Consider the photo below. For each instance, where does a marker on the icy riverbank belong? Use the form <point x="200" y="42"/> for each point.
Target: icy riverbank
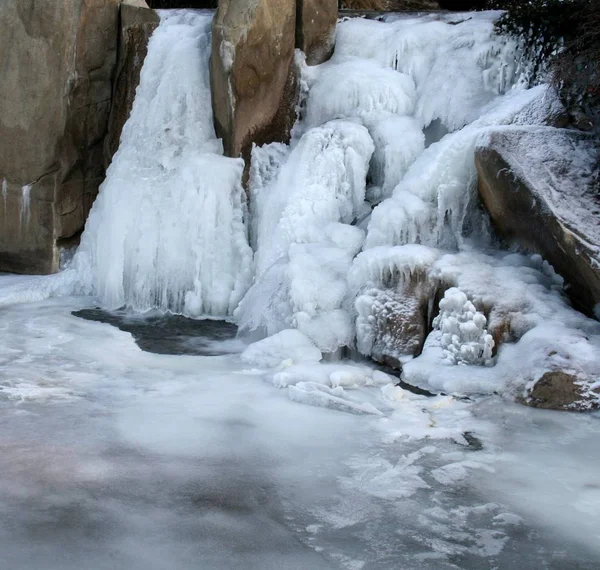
<point x="112" y="456"/>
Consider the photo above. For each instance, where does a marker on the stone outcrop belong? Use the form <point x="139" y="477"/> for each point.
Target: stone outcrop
<point x="398" y="323"/>
<point x="315" y="29"/>
<point x="136" y="24"/>
<point x="559" y="390"/>
<point x="253" y="74"/>
<point x="57" y="61"/>
<point x="253" y="84"/>
<point x="541" y="188"/>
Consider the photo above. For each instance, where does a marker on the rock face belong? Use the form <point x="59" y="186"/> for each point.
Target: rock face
<point x="253" y="75"/>
<point x="253" y="84"/>
<point x="315" y="29"/>
<point x="137" y="23"/>
<point x="56" y="62"/>
<point x="397" y="323"/>
<point x="561" y="391"/>
<point x="541" y="187"/>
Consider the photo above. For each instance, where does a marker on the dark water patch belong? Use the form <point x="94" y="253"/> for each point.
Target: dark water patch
<point x="172" y="334"/>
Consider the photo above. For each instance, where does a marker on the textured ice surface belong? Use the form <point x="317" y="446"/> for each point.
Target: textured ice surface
<point x="167" y="229"/>
<point x="464" y="336"/>
<point x="116" y="457"/>
<point x="305" y="243"/>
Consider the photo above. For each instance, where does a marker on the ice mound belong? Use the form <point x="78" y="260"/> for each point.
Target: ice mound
<point x="527" y="315"/>
<point x="167" y="229"/>
<point x="359" y="88"/>
<point x="464" y="338"/>
<point x="288" y="345"/>
<point x="305" y="244"/>
<point x="457" y="68"/>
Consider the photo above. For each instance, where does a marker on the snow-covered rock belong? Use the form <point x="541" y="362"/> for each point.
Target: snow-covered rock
<point x="541" y="187"/>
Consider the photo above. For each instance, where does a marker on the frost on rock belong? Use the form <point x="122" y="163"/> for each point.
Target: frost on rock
<point x="167" y="230"/>
<point x="288" y="345"/>
<point x="464" y="338"/>
<point x="535" y="330"/>
<point x="305" y="243"/>
<point x="392" y="295"/>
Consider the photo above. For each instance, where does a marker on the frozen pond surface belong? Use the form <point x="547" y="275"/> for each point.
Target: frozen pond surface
<point x="112" y="457"/>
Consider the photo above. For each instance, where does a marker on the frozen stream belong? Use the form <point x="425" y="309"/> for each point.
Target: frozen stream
<point x="113" y="457"/>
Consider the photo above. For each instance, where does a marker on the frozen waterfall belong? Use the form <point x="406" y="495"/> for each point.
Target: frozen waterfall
<point x="167" y="230"/>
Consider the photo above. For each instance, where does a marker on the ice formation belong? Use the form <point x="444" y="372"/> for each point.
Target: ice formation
<point x="305" y="243"/>
<point x="359" y="225"/>
<point x="464" y="337"/>
<point x="167" y="230"/>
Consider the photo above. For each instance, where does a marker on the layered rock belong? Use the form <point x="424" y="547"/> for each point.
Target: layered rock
<point x="56" y="61"/>
<point x="252" y="79"/>
<point x="541" y="188"/>
<point x="137" y="22"/>
<point x="315" y="29"/>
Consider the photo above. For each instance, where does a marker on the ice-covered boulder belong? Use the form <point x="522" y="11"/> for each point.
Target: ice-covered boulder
<point x="393" y="301"/>
<point x="137" y="22"/>
<point x="57" y="60"/>
<point x="252" y="79"/>
<point x="541" y="188"/>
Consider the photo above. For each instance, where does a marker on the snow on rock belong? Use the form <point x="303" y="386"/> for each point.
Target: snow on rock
<point x="537" y="332"/>
<point x="464" y="339"/>
<point x="287" y="345"/>
<point x="552" y="184"/>
<point x="392" y="295"/>
<point x="304" y="242"/>
<point x="167" y="230"/>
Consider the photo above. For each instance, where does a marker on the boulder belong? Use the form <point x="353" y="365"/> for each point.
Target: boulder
<point x="558" y="390"/>
<point x="397" y="325"/>
<point x="315" y="29"/>
<point x="136" y="25"/>
<point x="57" y="60"/>
<point x="254" y="86"/>
<point x="541" y="186"/>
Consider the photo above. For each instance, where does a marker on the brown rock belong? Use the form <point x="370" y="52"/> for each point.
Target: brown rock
<point x="56" y="62"/>
<point x="540" y="186"/>
<point x="137" y="23"/>
<point x="395" y="319"/>
<point x="315" y="29"/>
<point x="558" y="390"/>
<point x="254" y="89"/>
